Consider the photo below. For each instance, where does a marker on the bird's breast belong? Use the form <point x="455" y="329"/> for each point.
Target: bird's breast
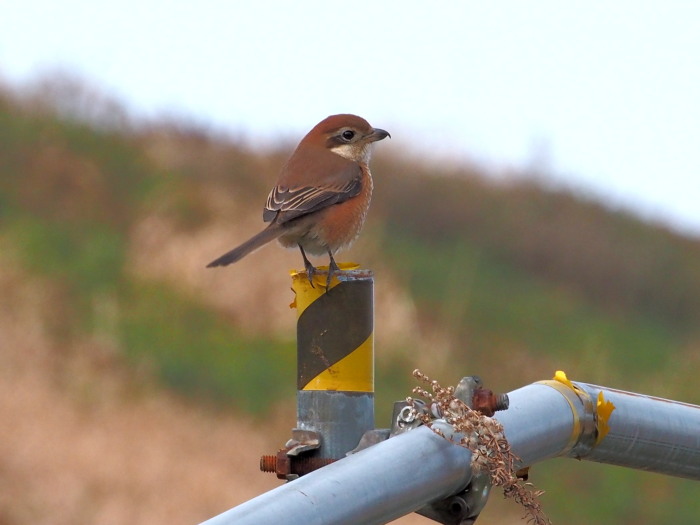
<point x="343" y="222"/>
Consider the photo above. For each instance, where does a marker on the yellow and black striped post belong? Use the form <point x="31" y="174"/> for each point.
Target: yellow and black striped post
<point x="335" y="358"/>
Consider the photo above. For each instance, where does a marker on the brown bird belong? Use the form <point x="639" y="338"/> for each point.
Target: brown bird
<point x="322" y="194"/>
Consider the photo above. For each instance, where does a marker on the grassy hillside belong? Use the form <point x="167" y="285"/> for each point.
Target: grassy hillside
<point x="508" y="280"/>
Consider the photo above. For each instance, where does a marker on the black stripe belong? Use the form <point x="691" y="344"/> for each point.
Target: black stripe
<point x="332" y="327"/>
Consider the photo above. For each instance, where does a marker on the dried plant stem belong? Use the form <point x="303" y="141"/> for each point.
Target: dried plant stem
<point x="484" y="437"/>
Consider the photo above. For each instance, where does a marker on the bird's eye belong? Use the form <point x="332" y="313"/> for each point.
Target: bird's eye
<point x="348" y="134"/>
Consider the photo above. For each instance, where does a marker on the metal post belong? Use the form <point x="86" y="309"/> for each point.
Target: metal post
<point x="335" y="360"/>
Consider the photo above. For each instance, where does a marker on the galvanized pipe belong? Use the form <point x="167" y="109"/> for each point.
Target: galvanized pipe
<point x="551" y="418"/>
<point x="649" y="433"/>
<point x="335" y="359"/>
<point x="376" y="485"/>
<point x="544" y="420"/>
<point x="539" y="422"/>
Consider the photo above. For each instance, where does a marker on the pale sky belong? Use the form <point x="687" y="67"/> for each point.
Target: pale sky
<point x="604" y="95"/>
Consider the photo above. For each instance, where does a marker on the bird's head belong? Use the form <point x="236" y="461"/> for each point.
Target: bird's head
<point x="346" y="135"/>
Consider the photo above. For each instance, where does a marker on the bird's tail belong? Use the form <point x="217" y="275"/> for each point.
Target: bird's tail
<point x="270" y="233"/>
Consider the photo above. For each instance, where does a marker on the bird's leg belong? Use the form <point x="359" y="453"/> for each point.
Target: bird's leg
<point x="310" y="270"/>
<point x="332" y="267"/>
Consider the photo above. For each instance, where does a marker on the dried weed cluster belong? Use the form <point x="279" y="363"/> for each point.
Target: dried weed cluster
<point x="484" y="437"/>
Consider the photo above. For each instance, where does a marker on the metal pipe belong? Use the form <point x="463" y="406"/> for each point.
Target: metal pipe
<point x="649" y="433"/>
<point x="373" y="486"/>
<point x="335" y="359"/>
<point x="555" y="418"/>
<point x="544" y="420"/>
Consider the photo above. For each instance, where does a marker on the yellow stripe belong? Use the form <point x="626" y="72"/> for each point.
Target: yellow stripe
<point x="353" y="373"/>
<point x="305" y="294"/>
<point x="567" y="390"/>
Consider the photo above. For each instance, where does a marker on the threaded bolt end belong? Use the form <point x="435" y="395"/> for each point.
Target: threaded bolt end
<point x="268" y="463"/>
<point x="502" y="402"/>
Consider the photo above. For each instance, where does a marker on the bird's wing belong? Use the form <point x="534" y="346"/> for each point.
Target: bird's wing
<point x="287" y="203"/>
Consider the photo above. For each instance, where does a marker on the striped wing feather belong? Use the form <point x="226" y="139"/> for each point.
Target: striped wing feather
<point x="285" y="204"/>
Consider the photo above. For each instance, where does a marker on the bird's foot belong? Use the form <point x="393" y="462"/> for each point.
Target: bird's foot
<point x="310" y="272"/>
<point x="332" y="268"/>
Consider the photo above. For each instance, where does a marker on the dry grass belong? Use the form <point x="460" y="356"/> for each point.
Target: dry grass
<point x="484" y="437"/>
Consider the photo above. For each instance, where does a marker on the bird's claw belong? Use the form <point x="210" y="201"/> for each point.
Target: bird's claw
<point x="332" y="268"/>
<point x="310" y="272"/>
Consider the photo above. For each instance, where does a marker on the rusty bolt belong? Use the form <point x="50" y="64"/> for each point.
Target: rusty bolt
<point x="486" y="402"/>
<point x="283" y="465"/>
<point x="268" y="463"/>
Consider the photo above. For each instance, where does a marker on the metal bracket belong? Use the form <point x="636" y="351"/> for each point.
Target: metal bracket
<point x="293" y="460"/>
<point x="302" y="441"/>
<point x="404" y="417"/>
<point x="464" y="507"/>
<point x="369" y="438"/>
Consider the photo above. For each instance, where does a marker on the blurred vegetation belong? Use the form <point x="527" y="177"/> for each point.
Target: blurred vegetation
<point x="70" y="194"/>
<point x="512" y="272"/>
<point x="201" y="355"/>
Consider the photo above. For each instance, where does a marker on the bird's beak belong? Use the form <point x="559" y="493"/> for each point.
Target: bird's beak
<point x="377" y="134"/>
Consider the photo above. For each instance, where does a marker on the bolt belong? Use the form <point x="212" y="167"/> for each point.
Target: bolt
<point x="303" y="466"/>
<point x="407" y="415"/>
<point x="457" y="507"/>
<point x="268" y="463"/>
<point x="502" y="402"/>
<point x="284" y="465"/>
<point x="486" y="402"/>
